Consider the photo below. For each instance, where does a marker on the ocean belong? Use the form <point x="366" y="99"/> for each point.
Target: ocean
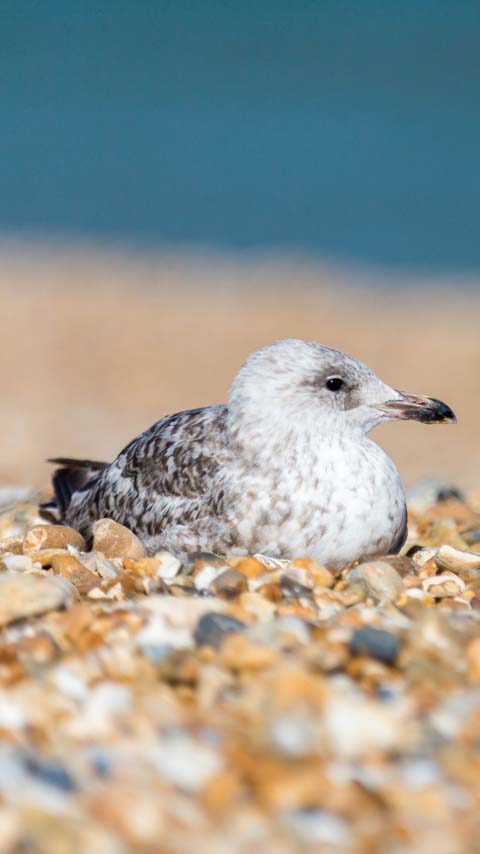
<point x="347" y="131"/>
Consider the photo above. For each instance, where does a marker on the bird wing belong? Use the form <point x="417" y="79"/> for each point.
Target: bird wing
<point x="178" y="456"/>
<point x="160" y="477"/>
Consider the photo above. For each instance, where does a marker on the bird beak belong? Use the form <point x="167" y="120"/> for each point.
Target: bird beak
<point x="417" y="407"/>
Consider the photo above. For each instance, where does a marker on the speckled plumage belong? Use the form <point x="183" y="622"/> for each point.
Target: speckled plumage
<point x="285" y="468"/>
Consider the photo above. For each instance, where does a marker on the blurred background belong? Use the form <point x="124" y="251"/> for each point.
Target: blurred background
<point x="182" y="182"/>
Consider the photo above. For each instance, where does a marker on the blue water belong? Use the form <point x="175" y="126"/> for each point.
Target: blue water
<point x="350" y="130"/>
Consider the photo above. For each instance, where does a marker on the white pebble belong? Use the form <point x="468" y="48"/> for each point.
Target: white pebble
<point x="169" y="565"/>
<point x="185" y="762"/>
<point x="206" y="575"/>
<point x="455" y="559"/>
<point x="422" y="557"/>
<point x="18" y="563"/>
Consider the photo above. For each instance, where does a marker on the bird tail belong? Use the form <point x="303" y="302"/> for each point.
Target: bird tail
<point x="71" y="476"/>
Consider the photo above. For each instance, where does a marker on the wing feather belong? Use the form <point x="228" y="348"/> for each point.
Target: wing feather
<point x="160" y="477"/>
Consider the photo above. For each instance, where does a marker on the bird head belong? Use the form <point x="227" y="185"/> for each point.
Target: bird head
<point x="294" y="379"/>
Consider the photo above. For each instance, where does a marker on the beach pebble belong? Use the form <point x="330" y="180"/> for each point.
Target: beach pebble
<point x="319" y="574"/>
<point x="13" y="545"/>
<point x="427" y="491"/>
<point x="354" y="593"/>
<point x="175" y="666"/>
<point x="186" y="762"/>
<point x="146" y="567"/>
<point x="319" y="830"/>
<point x="473" y="659"/>
<point x="27" y="594"/>
<point x="52" y="537"/>
<point x="240" y="654"/>
<point x="465" y="564"/>
<point x="444" y="532"/>
<point x="376" y="643"/>
<point x="357" y="726"/>
<point x="168" y="565"/>
<point x="256" y="605"/>
<point x="114" y="540"/>
<point x="229" y="584"/>
<point x="423" y="556"/>
<point x="281" y="708"/>
<point x="104" y="567"/>
<point x="380" y="580"/>
<point x="248" y="566"/>
<point x="295" y="732"/>
<point x="69" y="567"/>
<point x="443" y="585"/>
<point x="157" y="637"/>
<point x="401" y="563"/>
<point x="48" y="772"/>
<point x="212" y="629"/>
<point x="205" y="576"/>
<point x="17" y="563"/>
<point x="200" y="559"/>
<point x="292" y="586"/>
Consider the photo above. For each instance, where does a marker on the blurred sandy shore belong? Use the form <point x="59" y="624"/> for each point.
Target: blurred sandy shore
<point x="95" y="346"/>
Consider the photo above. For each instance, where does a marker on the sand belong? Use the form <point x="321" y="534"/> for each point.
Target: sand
<point x="97" y="344"/>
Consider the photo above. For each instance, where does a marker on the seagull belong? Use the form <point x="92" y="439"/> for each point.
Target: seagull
<point x="286" y="468"/>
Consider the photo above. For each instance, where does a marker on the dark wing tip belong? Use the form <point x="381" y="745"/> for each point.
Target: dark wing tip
<point x="70" y="477"/>
<point x="69" y="462"/>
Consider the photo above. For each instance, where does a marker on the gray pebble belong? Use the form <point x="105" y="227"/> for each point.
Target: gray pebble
<point x="212" y="629"/>
<point x="229" y="584"/>
<point x="377" y="643"/>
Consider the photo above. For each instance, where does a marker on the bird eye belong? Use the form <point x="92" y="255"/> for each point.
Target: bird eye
<point x="334" y="383"/>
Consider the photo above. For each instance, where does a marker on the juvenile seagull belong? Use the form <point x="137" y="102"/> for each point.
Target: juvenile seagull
<point x="284" y="468"/>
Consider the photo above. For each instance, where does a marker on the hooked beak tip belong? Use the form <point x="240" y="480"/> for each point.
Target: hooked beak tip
<point x="418" y="407"/>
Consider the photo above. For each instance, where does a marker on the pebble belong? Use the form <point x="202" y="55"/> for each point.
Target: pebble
<point x="185" y="762"/>
<point x="380" y="580"/>
<point x="26" y="595"/>
<point x="17" y="563"/>
<point x="353" y="594"/>
<point x="320" y="575"/>
<point x="52" y="537"/>
<point x="168" y="566"/>
<point x="357" y="726"/>
<point x="51" y="773"/>
<point x="12" y="545"/>
<point x="324" y="830"/>
<point x="466" y="564"/>
<point x="428" y="491"/>
<point x="292" y="587"/>
<point x="158" y="637"/>
<point x="177" y="666"/>
<point x="473" y="659"/>
<point x="146" y="567"/>
<point x="295" y="733"/>
<point x="212" y="629"/>
<point x="445" y="532"/>
<point x="240" y="653"/>
<point x="277" y="707"/>
<point x="443" y="585"/>
<point x="229" y="584"/>
<point x="256" y="605"/>
<point x="105" y="568"/>
<point x="248" y="566"/>
<point x="114" y="540"/>
<point x="423" y="556"/>
<point x="69" y="567"/>
<point x="377" y="643"/>
<point x="204" y="578"/>
<point x="286" y="632"/>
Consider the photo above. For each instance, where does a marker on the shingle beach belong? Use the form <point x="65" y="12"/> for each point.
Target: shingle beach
<point x="221" y="706"/>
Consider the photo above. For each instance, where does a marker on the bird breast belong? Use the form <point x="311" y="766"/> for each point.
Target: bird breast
<point x="339" y="500"/>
